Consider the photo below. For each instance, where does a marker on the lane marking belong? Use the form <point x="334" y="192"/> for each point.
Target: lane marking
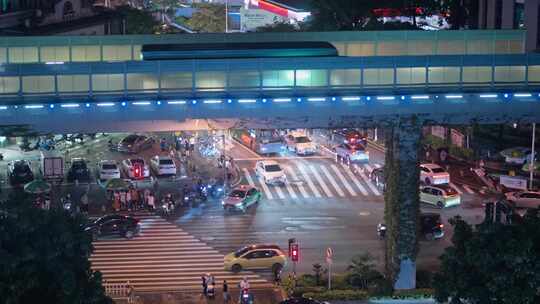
<point x="265" y="189"/>
<point x="372" y="187"/>
<point x="455" y="188"/>
<point x="355" y="180"/>
<point x="469" y="190"/>
<point x="248" y="177"/>
<point x="321" y="182"/>
<point x="308" y="180"/>
<point x="279" y="191"/>
<point x="343" y="180"/>
<point x="284" y="158"/>
<point x="332" y="181"/>
<point x="295" y="177"/>
<point x="378" y="166"/>
<point x="368" y="167"/>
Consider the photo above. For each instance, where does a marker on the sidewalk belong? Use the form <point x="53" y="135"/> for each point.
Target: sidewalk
<point x="261" y="296"/>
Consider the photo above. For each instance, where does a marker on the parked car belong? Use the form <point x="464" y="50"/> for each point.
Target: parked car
<point x="108" y="169"/>
<point x="300" y="143"/>
<point x="113" y="225"/>
<point x="19" y="172"/>
<point x="517" y="155"/>
<point x="377" y="178"/>
<point x="78" y="170"/>
<point x="433" y="174"/>
<point x="270" y="171"/>
<point x="131" y="165"/>
<point x="163" y="165"/>
<point x="256" y="257"/>
<point x="431" y="226"/>
<point x="241" y="198"/>
<point x="352" y="153"/>
<point x="524" y="199"/>
<point x="441" y="196"/>
<point x="135" y="143"/>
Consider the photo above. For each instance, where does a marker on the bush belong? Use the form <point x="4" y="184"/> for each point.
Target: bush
<point x="382" y="288"/>
<point x="424" y="279"/>
<point x="464" y="153"/>
<point x="434" y="141"/>
<point x="420" y="293"/>
<point x="343" y="295"/>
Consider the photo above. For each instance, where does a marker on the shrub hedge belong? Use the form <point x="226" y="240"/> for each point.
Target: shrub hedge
<point x="337" y="295"/>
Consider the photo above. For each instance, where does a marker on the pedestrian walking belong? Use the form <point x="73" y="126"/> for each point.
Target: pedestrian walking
<point x="129" y="200"/>
<point x="204" y="284"/>
<point x="123" y="200"/>
<point x="84" y="203"/>
<point x="151" y="201"/>
<point x="226" y="296"/>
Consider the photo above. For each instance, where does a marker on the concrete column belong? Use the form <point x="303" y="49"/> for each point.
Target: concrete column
<point x="491" y="6"/>
<point x="531" y="24"/>
<point x="402" y="201"/>
<point x="508" y="12"/>
<point x="482" y="11"/>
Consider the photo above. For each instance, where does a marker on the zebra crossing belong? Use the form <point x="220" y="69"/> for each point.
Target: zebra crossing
<point x="163" y="257"/>
<point x="324" y="179"/>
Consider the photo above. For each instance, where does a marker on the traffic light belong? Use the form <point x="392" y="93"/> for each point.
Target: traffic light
<point x="295" y="252"/>
<point x="137" y="171"/>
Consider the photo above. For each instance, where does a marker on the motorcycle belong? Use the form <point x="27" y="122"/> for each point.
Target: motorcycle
<point x="1" y="156"/>
<point x="381" y="230"/>
<point x="215" y="189"/>
<point x="246" y="297"/>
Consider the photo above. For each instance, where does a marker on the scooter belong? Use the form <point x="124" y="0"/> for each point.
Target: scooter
<point x="381" y="230"/>
<point x="246" y="297"/>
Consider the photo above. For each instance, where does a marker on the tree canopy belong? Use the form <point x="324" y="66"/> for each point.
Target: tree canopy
<point x="208" y="18"/>
<point x="44" y="257"/>
<point x="280" y="26"/>
<point x="492" y="263"/>
<point x="139" y="22"/>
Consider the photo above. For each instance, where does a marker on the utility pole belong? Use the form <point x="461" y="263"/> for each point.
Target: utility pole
<point x="226" y="16"/>
<point x="532" y="164"/>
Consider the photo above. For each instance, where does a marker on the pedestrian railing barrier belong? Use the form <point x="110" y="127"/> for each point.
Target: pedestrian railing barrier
<point x="120" y="291"/>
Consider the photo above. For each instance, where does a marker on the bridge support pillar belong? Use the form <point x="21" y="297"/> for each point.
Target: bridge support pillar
<point x="402" y="201"/>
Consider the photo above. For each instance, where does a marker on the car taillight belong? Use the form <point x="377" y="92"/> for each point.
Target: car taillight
<point x="441" y="226"/>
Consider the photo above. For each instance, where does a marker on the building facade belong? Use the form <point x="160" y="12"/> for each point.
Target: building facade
<point x="512" y="14"/>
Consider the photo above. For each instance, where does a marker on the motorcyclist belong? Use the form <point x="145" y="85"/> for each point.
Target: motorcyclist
<point x="244" y="290"/>
<point x="381" y="230"/>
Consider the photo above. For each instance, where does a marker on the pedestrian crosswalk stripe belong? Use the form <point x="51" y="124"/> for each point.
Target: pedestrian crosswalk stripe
<point x="378" y="166"/>
<point x="469" y="190"/>
<point x="332" y="181"/>
<point x="294" y="177"/>
<point x="321" y="182"/>
<point x="367" y="181"/>
<point x="355" y="180"/>
<point x="368" y="167"/>
<point x="343" y="180"/>
<point x="248" y="177"/>
<point x="456" y="188"/>
<point x="279" y="191"/>
<point x="308" y="180"/>
<point x="290" y="189"/>
<point x="266" y="191"/>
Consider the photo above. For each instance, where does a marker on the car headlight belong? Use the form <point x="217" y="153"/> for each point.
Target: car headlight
<point x="223" y="203"/>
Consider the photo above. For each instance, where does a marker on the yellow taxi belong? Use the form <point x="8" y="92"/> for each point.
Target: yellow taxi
<point x="256" y="257"/>
<point x="440" y="195"/>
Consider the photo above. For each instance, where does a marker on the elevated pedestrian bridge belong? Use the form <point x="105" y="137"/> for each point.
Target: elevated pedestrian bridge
<point x="48" y="85"/>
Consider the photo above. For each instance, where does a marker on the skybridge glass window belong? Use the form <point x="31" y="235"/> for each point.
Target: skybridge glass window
<point x="3" y="55"/>
<point x="73" y="83"/>
<point x="345" y="77"/>
<point x="278" y="78"/>
<point x="420" y="47"/>
<point x="81" y="53"/>
<point x="387" y="48"/>
<point x="116" y="52"/>
<point x="141" y="82"/>
<point x="341" y="48"/>
<point x="534" y="73"/>
<point x="9" y="85"/>
<point x="244" y="79"/>
<point x="443" y="75"/>
<point x="479" y="47"/>
<point x="137" y="52"/>
<point x="378" y="77"/>
<point x="54" y="54"/>
<point x="182" y="80"/>
<point x="410" y="76"/>
<point x="450" y="47"/>
<point x="477" y="74"/>
<point x="23" y="54"/>
<point x="360" y="49"/>
<point x="210" y="80"/>
<point x="107" y="82"/>
<point x="311" y="78"/>
<point x="509" y="74"/>
<point x="38" y="84"/>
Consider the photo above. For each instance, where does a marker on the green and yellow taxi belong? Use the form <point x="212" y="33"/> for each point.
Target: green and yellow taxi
<point x="241" y="197"/>
<point x="261" y="256"/>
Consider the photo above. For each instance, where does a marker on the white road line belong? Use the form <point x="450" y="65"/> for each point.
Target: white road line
<point x="279" y="191"/>
<point x="355" y="180"/>
<point x="469" y="190"/>
<point x="308" y="180"/>
<point x="368" y="167"/>
<point x="367" y="181"/>
<point x="343" y="180"/>
<point x="295" y="177"/>
<point x="456" y="188"/>
<point x="332" y="181"/>
<point x="266" y="191"/>
<point x="290" y="189"/>
<point x="321" y="182"/>
<point x="378" y="166"/>
<point x="248" y="177"/>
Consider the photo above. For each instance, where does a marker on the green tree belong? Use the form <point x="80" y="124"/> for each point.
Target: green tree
<point x="44" y="257"/>
<point x="362" y="272"/>
<point x="341" y="15"/>
<point x="460" y="13"/>
<point x="139" y="22"/>
<point x="280" y="27"/>
<point x="208" y="18"/>
<point x="492" y="263"/>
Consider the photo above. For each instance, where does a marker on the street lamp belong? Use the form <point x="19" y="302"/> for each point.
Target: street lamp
<point x="226" y="16"/>
<point x="532" y="164"/>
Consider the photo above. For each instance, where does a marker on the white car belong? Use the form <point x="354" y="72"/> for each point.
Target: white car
<point x="163" y="165"/>
<point x="517" y="155"/>
<point x="270" y="172"/>
<point x="131" y="165"/>
<point x="433" y="174"/>
<point x="108" y="169"/>
<point x="300" y="144"/>
<point x="524" y="199"/>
